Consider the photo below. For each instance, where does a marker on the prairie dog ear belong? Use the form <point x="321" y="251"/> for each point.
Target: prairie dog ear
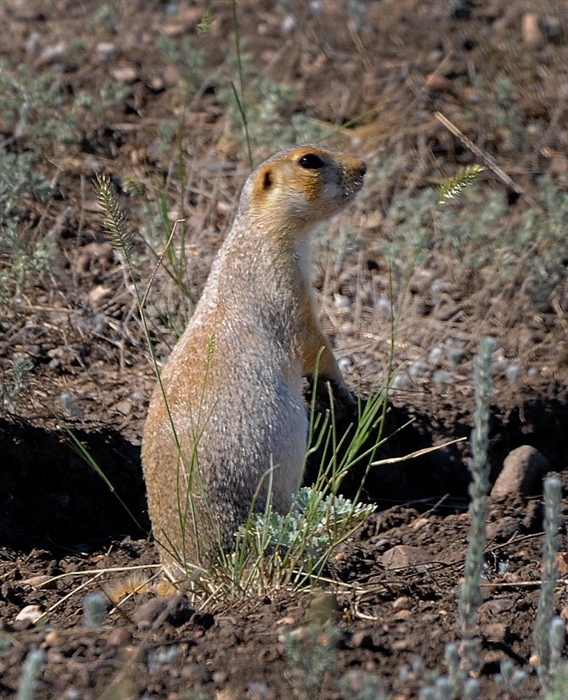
<point x="265" y="178"/>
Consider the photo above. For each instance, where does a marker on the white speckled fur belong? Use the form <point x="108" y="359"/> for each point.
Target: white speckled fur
<point x="240" y="409"/>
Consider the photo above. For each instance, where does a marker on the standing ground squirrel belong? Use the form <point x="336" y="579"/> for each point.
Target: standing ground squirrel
<point x="229" y="406"/>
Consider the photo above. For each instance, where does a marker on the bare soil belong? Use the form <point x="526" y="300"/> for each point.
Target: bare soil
<point x="64" y="533"/>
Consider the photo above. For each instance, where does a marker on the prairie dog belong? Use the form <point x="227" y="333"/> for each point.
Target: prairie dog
<point x="233" y="383"/>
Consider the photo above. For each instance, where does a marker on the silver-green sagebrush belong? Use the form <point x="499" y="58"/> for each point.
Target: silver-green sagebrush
<point x="470" y="596"/>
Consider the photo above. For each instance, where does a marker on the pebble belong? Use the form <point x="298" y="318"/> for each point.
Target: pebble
<point x="29" y="615"/>
<point x="420" y="523"/>
<point x="124" y="74"/>
<point x="219" y="677"/>
<point x="522" y="474"/>
<point x="52" y="638"/>
<point x="195" y="674"/>
<point x="404" y="555"/>
<point x="99" y="293"/>
<point x="503" y="529"/>
<point x="402" y="615"/>
<point x="532" y="36"/>
<point x="149" y="612"/>
<point x="119" y="637"/>
<point x="496" y="632"/>
<point x="39" y="581"/>
<point x="104" y="50"/>
<point x="494" y="607"/>
<point x="322" y="607"/>
<point x="170" y="76"/>
<point x="182" y="22"/>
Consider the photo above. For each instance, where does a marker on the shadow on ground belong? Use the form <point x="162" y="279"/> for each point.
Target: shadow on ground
<point x="51" y="498"/>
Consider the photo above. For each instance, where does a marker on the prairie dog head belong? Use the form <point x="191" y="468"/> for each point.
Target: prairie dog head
<point x="297" y="188"/>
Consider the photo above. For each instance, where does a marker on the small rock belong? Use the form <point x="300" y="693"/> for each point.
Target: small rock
<point x="401" y="603"/>
<point x="406" y="644"/>
<point x="99" y="293"/>
<point x="341" y="301"/>
<point x="99" y="251"/>
<point x="52" y="54"/>
<point x="503" y="529"/>
<point x="52" y="638"/>
<point x="420" y="523"/>
<point x="182" y="22"/>
<point x="170" y="76"/>
<point x="28" y="616"/>
<point x="33" y="45"/>
<point x="119" y="637"/>
<point x="39" y="581"/>
<point x="494" y="607"/>
<point x="219" y="677"/>
<point x="260" y="691"/>
<point x="522" y="474"/>
<point x="322" y="608"/>
<point x="124" y="74"/>
<point x="402" y="615"/>
<point x="496" y="632"/>
<point x="83" y="262"/>
<point x="194" y="673"/>
<point x="54" y="656"/>
<point x="125" y="407"/>
<point x="104" y="50"/>
<point x="178" y="606"/>
<point x="558" y="164"/>
<point x="404" y="555"/>
<point x="532" y="36"/>
<point x="288" y="24"/>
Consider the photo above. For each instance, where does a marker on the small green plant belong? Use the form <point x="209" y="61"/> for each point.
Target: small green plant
<point x="94" y="610"/>
<point x="30" y="671"/>
<point x="310" y="654"/>
<point x="330" y="515"/>
<point x="38" y="109"/>
<point x="357" y="685"/>
<point x="547" y="655"/>
<point x="470" y="597"/>
<point x="20" y="256"/>
<point x="14" y="386"/>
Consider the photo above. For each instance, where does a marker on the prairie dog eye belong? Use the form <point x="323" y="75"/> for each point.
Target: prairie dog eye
<point x="311" y="162"/>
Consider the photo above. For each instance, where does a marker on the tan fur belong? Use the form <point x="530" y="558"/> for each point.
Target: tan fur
<point x="233" y="381"/>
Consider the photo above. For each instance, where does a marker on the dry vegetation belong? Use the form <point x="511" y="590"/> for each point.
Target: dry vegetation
<point x="154" y="95"/>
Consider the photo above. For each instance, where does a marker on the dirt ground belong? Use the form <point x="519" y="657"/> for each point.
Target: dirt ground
<point x="377" y="73"/>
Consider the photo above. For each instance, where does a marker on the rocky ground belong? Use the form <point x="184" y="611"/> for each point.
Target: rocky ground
<point x="142" y="92"/>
